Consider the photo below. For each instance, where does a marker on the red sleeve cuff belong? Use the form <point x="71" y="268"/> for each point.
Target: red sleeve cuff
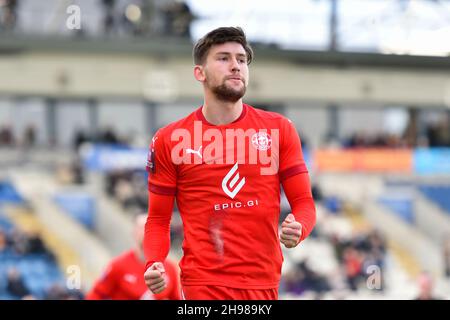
<point x="165" y="191"/>
<point x="292" y="171"/>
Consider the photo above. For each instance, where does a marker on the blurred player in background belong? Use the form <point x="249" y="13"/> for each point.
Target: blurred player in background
<point x="229" y="202"/>
<point x="426" y="287"/>
<point x="123" y="278"/>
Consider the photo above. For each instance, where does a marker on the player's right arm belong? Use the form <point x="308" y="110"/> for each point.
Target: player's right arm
<point x="162" y="188"/>
<point x="157" y="240"/>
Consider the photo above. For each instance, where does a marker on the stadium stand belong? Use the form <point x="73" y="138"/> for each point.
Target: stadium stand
<point x="79" y="108"/>
<point x="438" y="194"/>
<point x="28" y="269"/>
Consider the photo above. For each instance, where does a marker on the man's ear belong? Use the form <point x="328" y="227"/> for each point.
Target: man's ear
<point x="199" y="73"/>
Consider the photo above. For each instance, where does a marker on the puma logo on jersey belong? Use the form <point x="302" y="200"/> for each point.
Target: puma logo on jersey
<point x="193" y="151"/>
<point x="229" y="188"/>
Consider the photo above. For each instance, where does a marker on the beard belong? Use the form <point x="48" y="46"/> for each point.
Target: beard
<point x="228" y="94"/>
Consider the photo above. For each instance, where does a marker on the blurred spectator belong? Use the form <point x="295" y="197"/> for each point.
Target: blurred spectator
<point x="24" y="243"/>
<point x="37" y="246"/>
<point x="177" y="19"/>
<point x="111" y="179"/>
<point x="29" y="138"/>
<point x="109" y="25"/>
<point x="304" y="140"/>
<point x="131" y="20"/>
<point x="3" y="240"/>
<point x="293" y="282"/>
<point x="356" y="254"/>
<point x="59" y="292"/>
<point x="6" y="136"/>
<point x="353" y="267"/>
<point x="74" y="295"/>
<point x="129" y="188"/>
<point x="446" y="257"/>
<point x="303" y="279"/>
<point x="426" y="287"/>
<point x="72" y="173"/>
<point x="19" y="241"/>
<point x="80" y="137"/>
<point x="381" y="140"/>
<point x="377" y="241"/>
<point x="316" y="192"/>
<point x="78" y="171"/>
<point x="8" y="17"/>
<point x="15" y="284"/>
<point x="55" y="292"/>
<point x="109" y="136"/>
<point x="124" y="192"/>
<point x="438" y="133"/>
<point x="339" y="246"/>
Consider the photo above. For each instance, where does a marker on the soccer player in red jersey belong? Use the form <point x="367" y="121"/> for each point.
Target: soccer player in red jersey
<point x="123" y="278"/>
<point x="224" y="164"/>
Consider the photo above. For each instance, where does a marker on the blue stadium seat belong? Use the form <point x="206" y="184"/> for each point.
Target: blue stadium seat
<point x="438" y="194"/>
<point x="5" y="224"/>
<point x="80" y="206"/>
<point x="5" y="296"/>
<point x="402" y="207"/>
<point x="8" y="194"/>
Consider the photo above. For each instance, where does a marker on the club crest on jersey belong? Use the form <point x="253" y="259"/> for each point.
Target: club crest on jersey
<point x="261" y="141"/>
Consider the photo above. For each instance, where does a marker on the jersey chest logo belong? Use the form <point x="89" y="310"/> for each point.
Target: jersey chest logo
<point x="229" y="187"/>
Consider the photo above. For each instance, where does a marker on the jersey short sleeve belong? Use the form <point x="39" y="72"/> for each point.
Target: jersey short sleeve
<point x="291" y="154"/>
<point x="162" y="174"/>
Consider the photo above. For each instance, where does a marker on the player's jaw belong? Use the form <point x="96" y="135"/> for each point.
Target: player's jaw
<point x="231" y="89"/>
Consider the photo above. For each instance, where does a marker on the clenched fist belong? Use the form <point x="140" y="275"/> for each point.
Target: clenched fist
<point x="291" y="231"/>
<point x="155" y="278"/>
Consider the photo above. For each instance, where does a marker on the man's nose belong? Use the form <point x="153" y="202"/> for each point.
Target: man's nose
<point x="235" y="65"/>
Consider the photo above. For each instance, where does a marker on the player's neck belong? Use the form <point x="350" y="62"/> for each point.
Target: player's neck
<point x="220" y="112"/>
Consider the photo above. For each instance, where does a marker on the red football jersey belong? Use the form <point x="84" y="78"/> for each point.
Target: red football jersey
<point x="124" y="280"/>
<point x="226" y="179"/>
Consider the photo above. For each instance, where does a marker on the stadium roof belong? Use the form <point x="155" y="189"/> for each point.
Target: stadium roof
<point x="183" y="47"/>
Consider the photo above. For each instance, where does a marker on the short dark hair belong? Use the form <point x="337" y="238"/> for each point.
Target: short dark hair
<point x="220" y="36"/>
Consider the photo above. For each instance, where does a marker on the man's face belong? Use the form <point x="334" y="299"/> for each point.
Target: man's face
<point x="226" y="71"/>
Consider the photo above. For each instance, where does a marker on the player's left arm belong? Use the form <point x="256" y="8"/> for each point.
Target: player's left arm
<point x="294" y="177"/>
<point x="298" y="224"/>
